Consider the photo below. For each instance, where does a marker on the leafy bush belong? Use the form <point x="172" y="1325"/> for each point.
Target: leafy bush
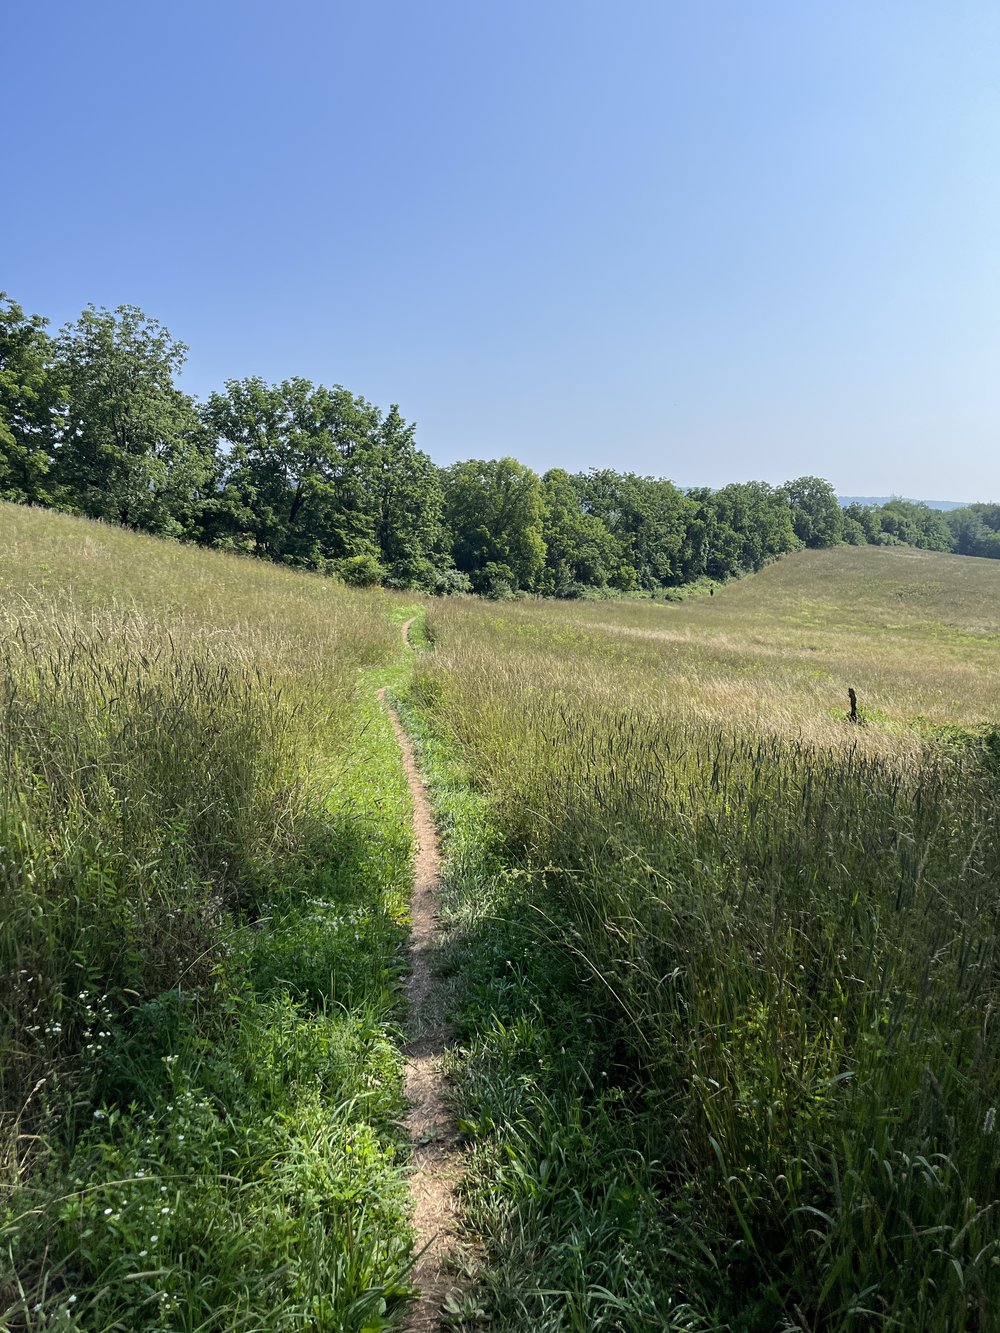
<point x="360" y="571"/>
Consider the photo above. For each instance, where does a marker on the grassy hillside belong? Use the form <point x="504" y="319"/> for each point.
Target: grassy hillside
<point x="204" y="875"/>
<point x="914" y="632"/>
<point x="726" y="964"/>
<point x="723" y="966"/>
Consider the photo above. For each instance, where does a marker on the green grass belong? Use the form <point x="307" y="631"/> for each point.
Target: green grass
<point x="914" y="632"/>
<point x="724" y="964"/>
<point x="569" y="1225"/>
<point x="206" y="852"/>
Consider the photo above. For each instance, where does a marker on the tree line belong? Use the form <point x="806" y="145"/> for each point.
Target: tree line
<point x="92" y="422"/>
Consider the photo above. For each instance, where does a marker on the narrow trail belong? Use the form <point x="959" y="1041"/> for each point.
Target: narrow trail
<point x="437" y="1158"/>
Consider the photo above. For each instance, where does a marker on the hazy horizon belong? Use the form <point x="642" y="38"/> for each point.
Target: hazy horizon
<point x="706" y="242"/>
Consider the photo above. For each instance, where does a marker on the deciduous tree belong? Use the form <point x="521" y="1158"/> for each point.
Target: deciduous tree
<point x="131" y="448"/>
<point x="494" y="511"/>
<point x="817" y="518"/>
<point x="29" y="398"/>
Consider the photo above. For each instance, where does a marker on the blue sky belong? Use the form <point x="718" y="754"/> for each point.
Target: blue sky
<point x="710" y="239"/>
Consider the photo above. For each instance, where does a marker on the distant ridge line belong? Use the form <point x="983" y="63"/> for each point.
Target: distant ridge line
<point x="845" y="500"/>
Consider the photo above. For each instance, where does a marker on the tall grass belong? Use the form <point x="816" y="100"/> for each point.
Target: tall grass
<point x="203" y="869"/>
<point x="758" y="955"/>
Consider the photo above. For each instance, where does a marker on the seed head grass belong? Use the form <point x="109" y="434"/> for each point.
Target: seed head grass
<point x="204" y="855"/>
<point x="729" y="961"/>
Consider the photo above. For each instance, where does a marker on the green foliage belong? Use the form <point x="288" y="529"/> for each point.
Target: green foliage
<point x="748" y="524"/>
<point x="646" y="519"/>
<point x="408" y="489"/>
<point x="817" y="518"/>
<point x="29" y="398"/>
<point x="865" y="520"/>
<point x="580" y="552"/>
<point x="319" y="478"/>
<point x="494" y="511"/>
<point x="360" y="571"/>
<point x="975" y="530"/>
<point x="131" y="447"/>
<point x="915" y="524"/>
<point x="204" y="870"/>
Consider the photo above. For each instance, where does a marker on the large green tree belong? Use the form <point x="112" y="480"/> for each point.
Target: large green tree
<point x="494" y="511"/>
<point x="288" y="450"/>
<point x="409" y="501"/>
<point x="915" y="524"/>
<point x="817" y="518"/>
<point x="579" y="550"/>
<point x="864" y="522"/>
<point x="317" y="476"/>
<point x="29" y="400"/>
<point x="749" y="523"/>
<point x="646" y="516"/>
<point x="132" y="448"/>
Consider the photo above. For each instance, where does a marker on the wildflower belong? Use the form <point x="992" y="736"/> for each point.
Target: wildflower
<point x="153" y="1240"/>
<point x="107" y="1212"/>
<point x="100" y="1115"/>
<point x="180" y="1138"/>
<point x="164" y="1212"/>
<point x="72" y="1300"/>
<point x="143" y="1253"/>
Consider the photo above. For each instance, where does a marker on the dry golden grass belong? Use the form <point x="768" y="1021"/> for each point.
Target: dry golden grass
<point x="286" y="624"/>
<point x="736" y="999"/>
<point x="917" y="634"/>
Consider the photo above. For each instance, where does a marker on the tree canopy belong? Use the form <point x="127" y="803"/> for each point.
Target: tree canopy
<point x="131" y="447"/>
<point x="494" y="512"/>
<point x="94" y="422"/>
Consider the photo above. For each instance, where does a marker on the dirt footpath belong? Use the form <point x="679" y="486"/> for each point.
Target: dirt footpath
<point x="437" y="1158"/>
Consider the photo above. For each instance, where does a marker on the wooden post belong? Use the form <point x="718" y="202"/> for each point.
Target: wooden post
<point x="853" y="714"/>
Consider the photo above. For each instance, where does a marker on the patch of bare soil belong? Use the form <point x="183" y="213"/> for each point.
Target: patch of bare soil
<point x="437" y="1157"/>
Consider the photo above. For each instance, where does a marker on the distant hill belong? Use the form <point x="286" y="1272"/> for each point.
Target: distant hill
<point x="884" y="499"/>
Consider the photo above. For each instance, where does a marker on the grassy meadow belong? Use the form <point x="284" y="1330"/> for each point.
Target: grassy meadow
<point x="204" y="862"/>
<point x="725" y="966"/>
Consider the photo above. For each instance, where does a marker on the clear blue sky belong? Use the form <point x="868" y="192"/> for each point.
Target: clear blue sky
<point x="707" y="240"/>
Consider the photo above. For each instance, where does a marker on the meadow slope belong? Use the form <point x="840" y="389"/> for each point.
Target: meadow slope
<point x="205" y="875"/>
<point x="724" y="964"/>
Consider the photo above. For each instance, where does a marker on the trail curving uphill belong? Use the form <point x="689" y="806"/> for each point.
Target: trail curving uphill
<point x="437" y="1159"/>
